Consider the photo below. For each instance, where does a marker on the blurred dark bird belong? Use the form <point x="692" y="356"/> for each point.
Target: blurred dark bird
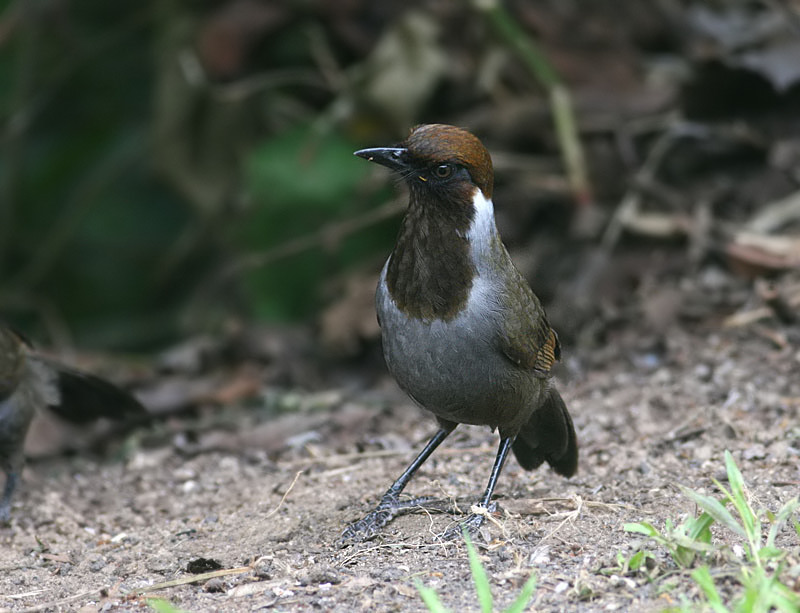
<point x="29" y="382"/>
<point x="462" y="331"/>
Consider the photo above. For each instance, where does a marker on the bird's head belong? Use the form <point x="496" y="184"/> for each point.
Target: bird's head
<point x="437" y="158"/>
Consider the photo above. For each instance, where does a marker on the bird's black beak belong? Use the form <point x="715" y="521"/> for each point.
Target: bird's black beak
<point x="391" y="157"/>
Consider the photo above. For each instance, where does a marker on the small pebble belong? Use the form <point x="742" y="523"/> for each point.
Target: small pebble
<point x="214" y="585"/>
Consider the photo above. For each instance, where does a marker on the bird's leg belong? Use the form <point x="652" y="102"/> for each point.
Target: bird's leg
<point x="391" y="505"/>
<point x="474" y="521"/>
<point x="8" y="492"/>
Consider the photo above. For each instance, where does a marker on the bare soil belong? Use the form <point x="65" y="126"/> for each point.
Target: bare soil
<point x="101" y="535"/>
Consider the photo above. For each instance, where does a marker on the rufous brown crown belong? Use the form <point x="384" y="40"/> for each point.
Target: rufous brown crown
<point x="438" y="143"/>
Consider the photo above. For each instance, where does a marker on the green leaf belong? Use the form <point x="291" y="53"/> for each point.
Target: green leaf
<point x="304" y="184"/>
<point x="636" y="560"/>
<point x="699" y="528"/>
<point x="683" y="557"/>
<point x="163" y="606"/>
<point x="642" y="528"/>
<point x="430" y="598"/>
<point x="518" y="606"/>
<point x="302" y="169"/>
<point x="767" y="553"/>
<point x="482" y="586"/>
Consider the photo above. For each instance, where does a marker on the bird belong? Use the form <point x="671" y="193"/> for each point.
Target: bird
<point x="31" y="382"/>
<point x="463" y="334"/>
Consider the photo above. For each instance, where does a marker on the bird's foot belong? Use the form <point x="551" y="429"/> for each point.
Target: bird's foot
<point x="5" y="513"/>
<point x="368" y="526"/>
<point x="471" y="524"/>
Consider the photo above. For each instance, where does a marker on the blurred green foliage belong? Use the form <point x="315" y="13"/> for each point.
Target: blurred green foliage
<point x="301" y="180"/>
<point x="84" y="221"/>
<point x="122" y="181"/>
<point x="167" y="166"/>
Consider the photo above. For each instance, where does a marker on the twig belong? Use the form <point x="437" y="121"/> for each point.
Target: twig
<point x="628" y="209"/>
<point x="329" y="234"/>
<point x="143" y="591"/>
<point x="630" y="203"/>
<point x="285" y="494"/>
<point x="359" y="551"/>
<point x="520" y="506"/>
<point x="744" y="318"/>
<point x="775" y="300"/>
<point x="773" y="336"/>
<point x="571" y="516"/>
<point x="776" y="214"/>
<point x="57" y="603"/>
<point x="23" y="594"/>
<point x="483" y="511"/>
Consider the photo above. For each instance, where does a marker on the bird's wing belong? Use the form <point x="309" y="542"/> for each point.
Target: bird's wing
<point x="83" y="397"/>
<point x="528" y="340"/>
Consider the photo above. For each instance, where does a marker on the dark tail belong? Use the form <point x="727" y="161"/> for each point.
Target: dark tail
<point x="548" y="435"/>
<point x="84" y="397"/>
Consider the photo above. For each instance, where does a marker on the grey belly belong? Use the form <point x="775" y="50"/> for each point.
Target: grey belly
<point x="455" y="369"/>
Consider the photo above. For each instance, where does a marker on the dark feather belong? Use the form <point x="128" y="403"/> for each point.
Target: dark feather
<point x="85" y="397"/>
<point x="548" y="436"/>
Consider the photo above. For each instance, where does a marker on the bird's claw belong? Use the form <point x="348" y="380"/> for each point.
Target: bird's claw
<point x="471" y="524"/>
<point x="368" y="526"/>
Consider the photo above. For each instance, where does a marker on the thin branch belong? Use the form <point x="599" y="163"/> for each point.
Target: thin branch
<point x="285" y="494"/>
<point x="328" y="234"/>
<point x="560" y="99"/>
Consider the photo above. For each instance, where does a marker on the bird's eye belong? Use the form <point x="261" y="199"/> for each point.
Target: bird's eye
<point x="443" y="171"/>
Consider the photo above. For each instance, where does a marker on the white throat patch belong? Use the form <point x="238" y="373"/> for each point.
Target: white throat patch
<point x="482" y="227"/>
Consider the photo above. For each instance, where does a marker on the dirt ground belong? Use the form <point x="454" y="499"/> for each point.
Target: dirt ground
<point x="102" y="534"/>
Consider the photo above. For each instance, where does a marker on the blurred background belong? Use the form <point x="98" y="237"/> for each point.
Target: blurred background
<point x="170" y="169"/>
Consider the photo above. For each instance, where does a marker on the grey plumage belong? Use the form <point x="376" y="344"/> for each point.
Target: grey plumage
<point x="463" y="333"/>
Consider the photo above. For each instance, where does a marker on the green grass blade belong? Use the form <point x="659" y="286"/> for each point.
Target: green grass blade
<point x="780" y="519"/>
<point x="482" y="586"/>
<point x="785" y="599"/>
<point x="750" y="521"/>
<point x="642" y="528"/>
<point x="430" y="598"/>
<point x="716" y="510"/>
<point x="702" y="577"/>
<point x="518" y="606"/>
